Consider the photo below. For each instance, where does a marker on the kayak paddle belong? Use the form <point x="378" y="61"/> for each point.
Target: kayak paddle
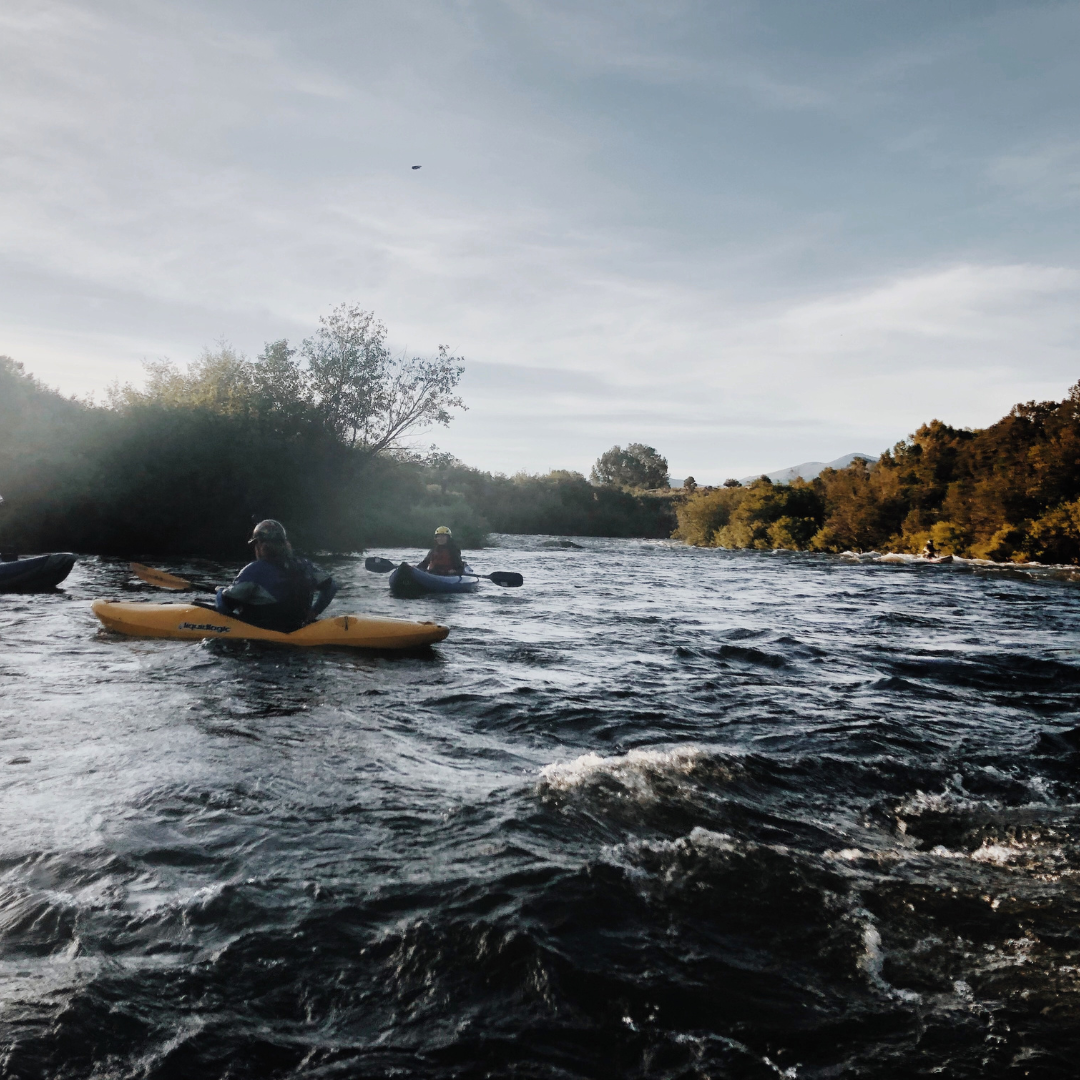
<point x="164" y="580"/>
<point x="505" y="578"/>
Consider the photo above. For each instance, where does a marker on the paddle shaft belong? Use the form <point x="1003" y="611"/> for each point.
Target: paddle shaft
<point x="162" y="580"/>
<point x="509" y="580"/>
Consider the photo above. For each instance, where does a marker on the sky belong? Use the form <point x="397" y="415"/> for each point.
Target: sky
<point x="749" y="234"/>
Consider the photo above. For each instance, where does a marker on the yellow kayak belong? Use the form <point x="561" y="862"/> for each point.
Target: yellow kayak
<point x="192" y="623"/>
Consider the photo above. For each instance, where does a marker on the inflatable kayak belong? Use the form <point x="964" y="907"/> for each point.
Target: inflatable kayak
<point x="35" y="575"/>
<point x="191" y="622"/>
<point x="409" y="580"/>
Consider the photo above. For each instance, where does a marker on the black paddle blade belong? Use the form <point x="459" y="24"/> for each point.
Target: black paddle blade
<point x="506" y="579"/>
<point x="377" y="565"/>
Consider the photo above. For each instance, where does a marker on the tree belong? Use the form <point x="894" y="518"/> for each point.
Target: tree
<point x="347" y="365"/>
<point x="350" y="386"/>
<point x="638" y="466"/>
<point x="416" y="395"/>
<point x="219" y="381"/>
<point x="370" y="400"/>
<point x="282" y="396"/>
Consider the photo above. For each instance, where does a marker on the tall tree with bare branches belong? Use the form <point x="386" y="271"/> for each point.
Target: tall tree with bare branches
<point x="368" y="398"/>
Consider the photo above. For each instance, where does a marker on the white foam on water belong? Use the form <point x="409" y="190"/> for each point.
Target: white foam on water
<point x="997" y="854"/>
<point x="700" y="842"/>
<point x="846" y="854"/>
<point x="943" y="802"/>
<point x="637" y="770"/>
<point x="1040" y="859"/>
<point x="706" y="839"/>
<point x="871" y="961"/>
<point x="1033" y="569"/>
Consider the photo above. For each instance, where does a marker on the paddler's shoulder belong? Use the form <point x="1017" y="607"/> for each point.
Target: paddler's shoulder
<point x="260" y="570"/>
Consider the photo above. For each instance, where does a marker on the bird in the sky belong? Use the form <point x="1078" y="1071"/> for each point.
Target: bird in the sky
<point x="417" y="167"/>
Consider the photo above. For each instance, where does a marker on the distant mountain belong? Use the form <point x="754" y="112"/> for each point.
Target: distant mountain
<point x="808" y="469"/>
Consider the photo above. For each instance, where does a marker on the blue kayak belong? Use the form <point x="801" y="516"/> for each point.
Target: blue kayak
<point x="411" y="581"/>
<point x="35" y="575"/>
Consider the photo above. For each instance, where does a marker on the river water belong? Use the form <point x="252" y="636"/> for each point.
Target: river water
<point x="661" y="812"/>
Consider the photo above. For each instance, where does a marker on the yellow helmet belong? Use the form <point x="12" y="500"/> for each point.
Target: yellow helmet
<point x="442" y="530"/>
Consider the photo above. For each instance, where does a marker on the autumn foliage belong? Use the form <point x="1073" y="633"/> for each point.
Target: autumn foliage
<point x="1009" y="492"/>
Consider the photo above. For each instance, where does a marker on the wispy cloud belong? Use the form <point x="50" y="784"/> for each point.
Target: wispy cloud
<point x="929" y="313"/>
<point x="1047" y="175"/>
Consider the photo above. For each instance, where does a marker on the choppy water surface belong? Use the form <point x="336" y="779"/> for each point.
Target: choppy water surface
<point x="662" y="812"/>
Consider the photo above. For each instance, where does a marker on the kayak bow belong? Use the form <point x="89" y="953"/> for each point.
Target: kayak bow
<point x="35" y="575"/>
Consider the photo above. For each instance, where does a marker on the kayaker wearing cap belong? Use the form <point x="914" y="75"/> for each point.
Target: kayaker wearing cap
<point x="445" y="557"/>
<point x="278" y="591"/>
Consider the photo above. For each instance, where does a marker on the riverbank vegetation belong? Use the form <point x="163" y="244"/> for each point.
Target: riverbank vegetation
<point x="1009" y="492"/>
<point x="637" y="468"/>
<point x="318" y="437"/>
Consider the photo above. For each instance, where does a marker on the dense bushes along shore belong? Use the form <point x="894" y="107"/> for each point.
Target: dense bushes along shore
<point x="1007" y="492"/>
<point x="183" y="467"/>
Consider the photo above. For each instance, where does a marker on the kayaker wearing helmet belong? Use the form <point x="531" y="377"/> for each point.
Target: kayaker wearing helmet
<point x="445" y="557"/>
<point x="278" y="591"/>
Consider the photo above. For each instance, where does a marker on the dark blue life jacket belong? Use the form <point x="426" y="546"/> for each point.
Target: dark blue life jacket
<point x="277" y="596"/>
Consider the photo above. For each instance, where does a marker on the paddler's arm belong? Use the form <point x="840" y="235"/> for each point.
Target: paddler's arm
<point x="325" y="590"/>
<point x="245" y="589"/>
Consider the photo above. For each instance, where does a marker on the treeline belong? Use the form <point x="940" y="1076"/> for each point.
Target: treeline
<point x="184" y="465"/>
<point x="1009" y="492"/>
<point x="405" y="498"/>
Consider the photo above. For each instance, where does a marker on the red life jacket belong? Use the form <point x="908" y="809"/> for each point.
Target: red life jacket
<point x="442" y="559"/>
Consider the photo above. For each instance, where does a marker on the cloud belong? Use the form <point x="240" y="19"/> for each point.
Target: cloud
<point x="655" y="43"/>
<point x="961" y="342"/>
<point x="1048" y="175"/>
<point x="933" y="311"/>
<point x="728" y="230"/>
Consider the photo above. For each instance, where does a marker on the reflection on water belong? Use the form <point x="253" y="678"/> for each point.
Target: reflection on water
<point x="661" y="812"/>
